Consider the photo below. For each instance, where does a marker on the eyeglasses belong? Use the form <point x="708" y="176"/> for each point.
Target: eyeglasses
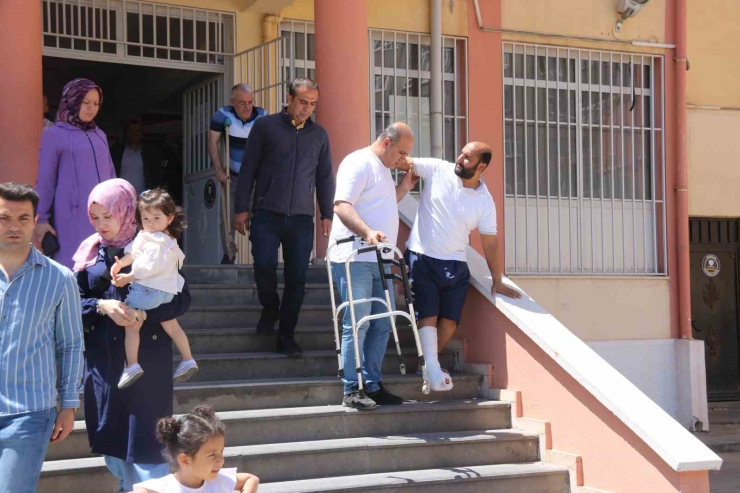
<point x="243" y="104"/>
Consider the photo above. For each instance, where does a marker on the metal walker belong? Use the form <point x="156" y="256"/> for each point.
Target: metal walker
<point x="403" y="278"/>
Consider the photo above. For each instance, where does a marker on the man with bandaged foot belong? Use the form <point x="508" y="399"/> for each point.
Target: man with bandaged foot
<point x="454" y="201"/>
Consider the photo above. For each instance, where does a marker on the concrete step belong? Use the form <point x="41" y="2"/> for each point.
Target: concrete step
<point x="252" y="365"/>
<point x="238" y="395"/>
<point x="242" y="274"/>
<point x="331" y="458"/>
<point x="724" y="413"/>
<point x="301" y="392"/>
<point x="330" y="422"/>
<point x="225" y="316"/>
<point x="219" y="341"/>
<point x="536" y="477"/>
<point x="721" y="438"/>
<point x="241" y="294"/>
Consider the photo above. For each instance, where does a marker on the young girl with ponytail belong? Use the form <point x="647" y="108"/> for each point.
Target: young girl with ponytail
<point x="194" y="448"/>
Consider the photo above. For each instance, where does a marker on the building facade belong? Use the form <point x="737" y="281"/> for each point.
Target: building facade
<point x="593" y="120"/>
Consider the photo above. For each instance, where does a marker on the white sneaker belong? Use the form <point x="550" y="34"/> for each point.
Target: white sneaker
<point x="130" y="375"/>
<point x="185" y="370"/>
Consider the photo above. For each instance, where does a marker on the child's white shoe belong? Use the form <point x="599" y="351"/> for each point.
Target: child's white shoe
<point x="185" y="370"/>
<point x="130" y="375"/>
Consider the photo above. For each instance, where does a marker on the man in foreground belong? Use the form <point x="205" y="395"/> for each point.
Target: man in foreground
<point x="365" y="204"/>
<point x="287" y="158"/>
<point x="40" y="331"/>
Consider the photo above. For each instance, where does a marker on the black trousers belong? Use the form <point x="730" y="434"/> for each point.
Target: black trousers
<point x="267" y="231"/>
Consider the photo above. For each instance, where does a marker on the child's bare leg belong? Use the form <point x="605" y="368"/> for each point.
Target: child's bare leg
<point x="132" y="343"/>
<point x="173" y="329"/>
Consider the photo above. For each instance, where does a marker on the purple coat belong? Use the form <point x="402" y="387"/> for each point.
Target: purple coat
<point x="71" y="163"/>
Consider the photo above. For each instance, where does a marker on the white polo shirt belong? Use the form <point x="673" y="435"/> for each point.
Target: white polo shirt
<point x="364" y="182"/>
<point x="448" y="212"/>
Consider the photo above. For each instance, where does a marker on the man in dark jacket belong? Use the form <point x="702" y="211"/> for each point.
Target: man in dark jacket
<point x="287" y="157"/>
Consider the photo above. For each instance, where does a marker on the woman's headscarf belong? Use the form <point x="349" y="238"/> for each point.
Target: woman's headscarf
<point x="72" y="96"/>
<point x="119" y="198"/>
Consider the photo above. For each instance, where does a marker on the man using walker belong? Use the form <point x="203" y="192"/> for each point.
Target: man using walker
<point x="454" y="201"/>
<point x="365" y="204"/>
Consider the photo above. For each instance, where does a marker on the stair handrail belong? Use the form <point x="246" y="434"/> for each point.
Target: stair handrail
<point x="678" y="447"/>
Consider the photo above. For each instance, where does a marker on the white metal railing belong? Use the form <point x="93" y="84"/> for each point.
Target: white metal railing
<point x="584" y="162"/>
<point x="264" y="68"/>
<point x="133" y="31"/>
<point x="400" y="69"/>
<point x="199" y="103"/>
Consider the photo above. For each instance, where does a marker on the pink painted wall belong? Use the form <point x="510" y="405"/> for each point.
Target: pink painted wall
<point x="342" y="72"/>
<point x="670" y="159"/>
<point x="486" y="105"/>
<point x="20" y="85"/>
<point x="615" y="459"/>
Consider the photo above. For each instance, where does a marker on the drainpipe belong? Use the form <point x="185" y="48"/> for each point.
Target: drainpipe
<point x="682" y="176"/>
<point x="271" y="26"/>
<point x="436" y="80"/>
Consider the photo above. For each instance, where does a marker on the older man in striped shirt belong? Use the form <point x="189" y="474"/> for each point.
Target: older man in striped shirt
<point x="40" y="331"/>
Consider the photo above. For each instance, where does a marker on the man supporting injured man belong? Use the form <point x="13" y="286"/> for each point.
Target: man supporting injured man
<point x="454" y="201"/>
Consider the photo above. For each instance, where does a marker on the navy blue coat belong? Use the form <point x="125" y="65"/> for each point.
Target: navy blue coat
<point x="283" y="166"/>
<point x="122" y="423"/>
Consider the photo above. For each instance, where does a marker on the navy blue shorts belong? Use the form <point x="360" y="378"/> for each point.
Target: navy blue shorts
<point x="438" y="286"/>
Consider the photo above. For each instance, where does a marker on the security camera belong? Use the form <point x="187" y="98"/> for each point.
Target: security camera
<point x="630" y="8"/>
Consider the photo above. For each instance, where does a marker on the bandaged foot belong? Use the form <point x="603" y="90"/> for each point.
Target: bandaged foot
<point x="438" y="380"/>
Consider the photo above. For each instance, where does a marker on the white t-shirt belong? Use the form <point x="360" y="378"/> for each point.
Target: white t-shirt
<point x="448" y="212"/>
<point x="157" y="258"/>
<point x="225" y="482"/>
<point x="132" y="169"/>
<point x="364" y="182"/>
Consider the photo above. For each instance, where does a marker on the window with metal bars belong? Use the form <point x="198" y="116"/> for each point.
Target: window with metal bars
<point x="583" y="162"/>
<point x="127" y="29"/>
<point x="301" y="48"/>
<point x="400" y="73"/>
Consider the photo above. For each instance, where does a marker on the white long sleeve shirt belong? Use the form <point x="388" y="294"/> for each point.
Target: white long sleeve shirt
<point x="157" y="258"/>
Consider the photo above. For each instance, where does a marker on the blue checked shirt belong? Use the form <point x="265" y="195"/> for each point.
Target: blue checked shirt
<point x="40" y="326"/>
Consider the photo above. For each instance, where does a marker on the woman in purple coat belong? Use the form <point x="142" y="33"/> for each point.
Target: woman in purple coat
<point x="74" y="158"/>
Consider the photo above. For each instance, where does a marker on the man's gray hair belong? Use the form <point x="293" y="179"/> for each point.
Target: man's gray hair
<point x="395" y="131"/>
<point x="310" y="84"/>
<point x="241" y="87"/>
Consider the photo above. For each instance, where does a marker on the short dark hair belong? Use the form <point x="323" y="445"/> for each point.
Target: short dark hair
<point x="19" y="192"/>
<point x="485" y="157"/>
<point x="302" y="82"/>
<point x="187" y="434"/>
<point x="160" y="199"/>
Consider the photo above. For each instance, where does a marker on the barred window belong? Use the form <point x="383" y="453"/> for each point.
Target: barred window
<point x="400" y="73"/>
<point x="149" y="32"/>
<point x="583" y="161"/>
<point x="302" y="49"/>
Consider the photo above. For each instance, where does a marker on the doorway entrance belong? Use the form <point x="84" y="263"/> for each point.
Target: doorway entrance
<point x="150" y="95"/>
<point x="714" y="302"/>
